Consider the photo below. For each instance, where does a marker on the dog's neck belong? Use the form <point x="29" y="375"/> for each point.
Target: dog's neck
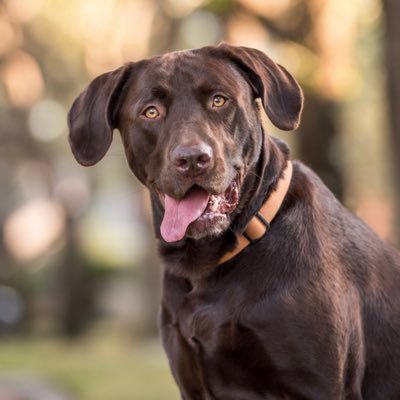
<point x="196" y="259"/>
<point x="260" y="223"/>
<point x="262" y="180"/>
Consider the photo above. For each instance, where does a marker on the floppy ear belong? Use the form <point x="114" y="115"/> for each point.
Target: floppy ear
<point x="281" y="95"/>
<point x="91" y="119"/>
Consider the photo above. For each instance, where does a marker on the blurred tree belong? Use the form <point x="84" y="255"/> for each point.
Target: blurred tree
<point x="392" y="18"/>
<point x="74" y="288"/>
<point x="31" y="70"/>
<point x="304" y="23"/>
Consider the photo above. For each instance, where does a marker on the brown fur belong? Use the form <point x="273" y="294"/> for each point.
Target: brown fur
<point x="312" y="310"/>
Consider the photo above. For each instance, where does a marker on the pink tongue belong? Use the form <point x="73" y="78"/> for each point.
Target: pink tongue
<point x="180" y="213"/>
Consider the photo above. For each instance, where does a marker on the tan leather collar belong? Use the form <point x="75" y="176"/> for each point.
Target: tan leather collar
<point x="259" y="224"/>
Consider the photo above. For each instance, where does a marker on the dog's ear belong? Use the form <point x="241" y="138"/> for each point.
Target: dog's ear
<point x="281" y="95"/>
<point x="91" y="119"/>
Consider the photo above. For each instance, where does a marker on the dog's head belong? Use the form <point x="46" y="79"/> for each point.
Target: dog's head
<point x="190" y="128"/>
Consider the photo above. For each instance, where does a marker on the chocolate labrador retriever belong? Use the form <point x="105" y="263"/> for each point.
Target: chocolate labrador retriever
<point x="272" y="289"/>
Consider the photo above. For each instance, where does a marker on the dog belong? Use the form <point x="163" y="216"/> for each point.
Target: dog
<point x="271" y="288"/>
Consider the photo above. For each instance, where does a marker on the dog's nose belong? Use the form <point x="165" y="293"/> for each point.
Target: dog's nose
<point x="192" y="159"/>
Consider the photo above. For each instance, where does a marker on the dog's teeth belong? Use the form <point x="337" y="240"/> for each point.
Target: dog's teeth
<point x="213" y="204"/>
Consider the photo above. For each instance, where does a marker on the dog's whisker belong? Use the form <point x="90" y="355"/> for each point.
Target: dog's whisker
<point x="254" y="174"/>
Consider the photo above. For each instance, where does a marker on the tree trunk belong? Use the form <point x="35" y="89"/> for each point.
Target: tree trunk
<point x="318" y="136"/>
<point x="392" y="18"/>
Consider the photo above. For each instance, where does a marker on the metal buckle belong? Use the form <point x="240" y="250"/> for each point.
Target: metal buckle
<point x="263" y="221"/>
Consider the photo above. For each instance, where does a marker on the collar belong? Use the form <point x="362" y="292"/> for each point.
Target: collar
<point x="260" y="223"/>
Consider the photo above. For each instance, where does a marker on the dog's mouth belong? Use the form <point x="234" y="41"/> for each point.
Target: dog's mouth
<point x="197" y="209"/>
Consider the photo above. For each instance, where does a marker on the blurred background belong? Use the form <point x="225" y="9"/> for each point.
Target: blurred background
<point x="79" y="278"/>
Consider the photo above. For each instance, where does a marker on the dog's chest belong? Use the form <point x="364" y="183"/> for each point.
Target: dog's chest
<point x="229" y="338"/>
<point x="209" y="347"/>
<point x="202" y="321"/>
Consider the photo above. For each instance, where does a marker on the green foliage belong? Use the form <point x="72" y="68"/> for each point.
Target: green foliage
<point x="220" y="6"/>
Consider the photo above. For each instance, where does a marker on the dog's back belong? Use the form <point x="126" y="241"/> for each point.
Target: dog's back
<point x="369" y="288"/>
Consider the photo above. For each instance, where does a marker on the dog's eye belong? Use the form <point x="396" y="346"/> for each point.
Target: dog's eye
<point x="219" y="101"/>
<point x="151" y="112"/>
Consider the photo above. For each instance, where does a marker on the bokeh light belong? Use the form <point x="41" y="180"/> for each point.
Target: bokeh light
<point x="31" y="229"/>
<point x="23" y="79"/>
<point x="24" y="10"/>
<point x="47" y="120"/>
<point x="200" y="29"/>
<point x="9" y="37"/>
<point x="181" y="8"/>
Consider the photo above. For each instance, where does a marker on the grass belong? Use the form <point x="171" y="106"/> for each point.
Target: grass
<point x="93" y="369"/>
